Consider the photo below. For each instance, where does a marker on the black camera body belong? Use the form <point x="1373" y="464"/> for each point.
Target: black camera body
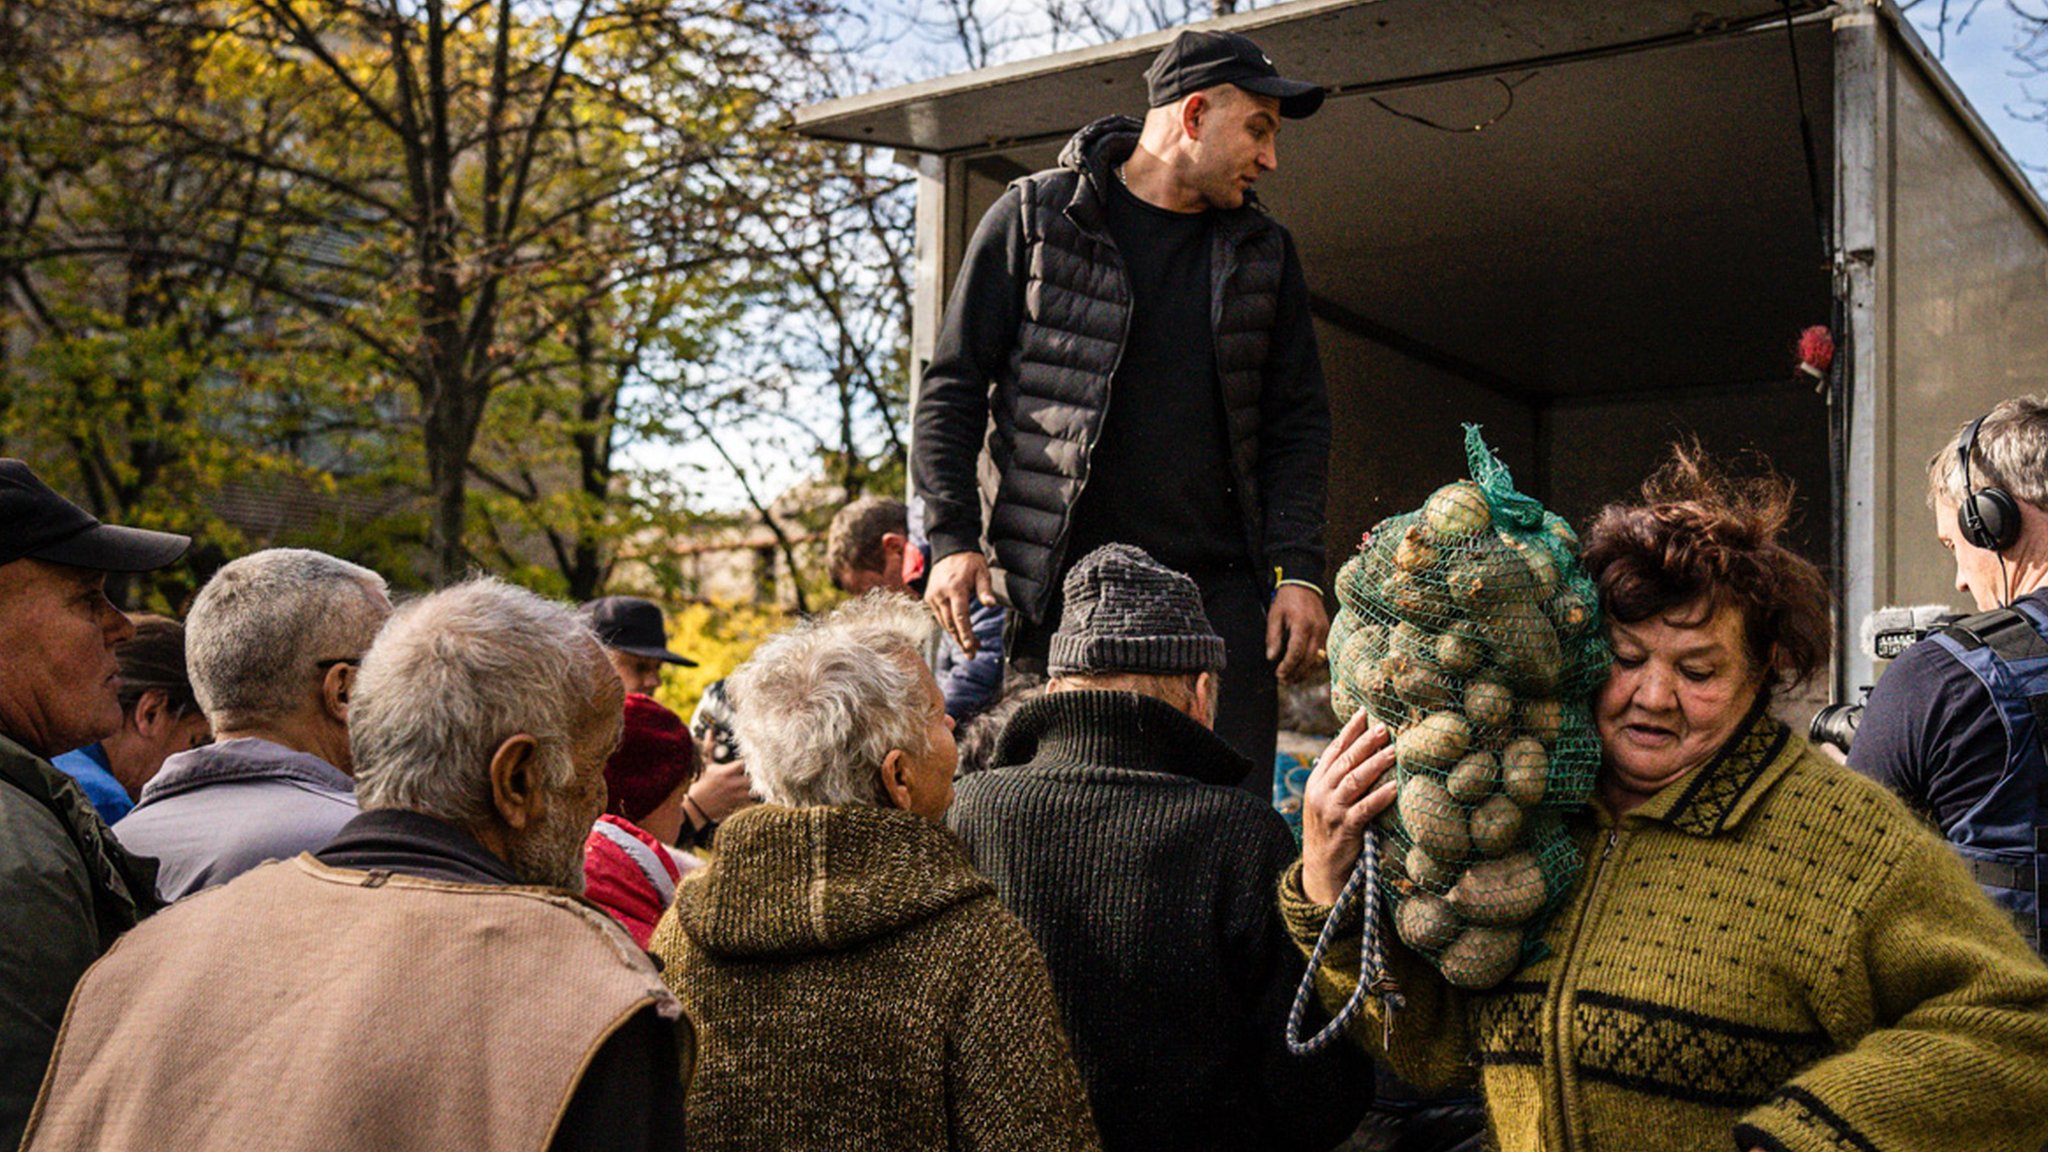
<point x="1887" y="632"/>
<point x="1836" y="723"/>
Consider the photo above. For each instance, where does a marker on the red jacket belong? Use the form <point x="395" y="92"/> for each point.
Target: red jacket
<point x="630" y="874"/>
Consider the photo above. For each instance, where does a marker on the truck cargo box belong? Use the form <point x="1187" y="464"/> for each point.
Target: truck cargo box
<point x="1593" y="227"/>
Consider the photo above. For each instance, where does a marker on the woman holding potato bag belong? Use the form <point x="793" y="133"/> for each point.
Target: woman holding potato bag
<point x="1763" y="950"/>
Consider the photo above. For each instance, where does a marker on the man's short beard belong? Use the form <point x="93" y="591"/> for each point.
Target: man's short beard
<point x="551" y="853"/>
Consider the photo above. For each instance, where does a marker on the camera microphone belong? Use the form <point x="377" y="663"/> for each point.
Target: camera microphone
<point x="1887" y="632"/>
<point x="1890" y="631"/>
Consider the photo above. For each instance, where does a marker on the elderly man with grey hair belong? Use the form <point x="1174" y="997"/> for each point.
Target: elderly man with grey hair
<point x="428" y="980"/>
<point x="272" y="645"/>
<point x="856" y="982"/>
<point x="1111" y="824"/>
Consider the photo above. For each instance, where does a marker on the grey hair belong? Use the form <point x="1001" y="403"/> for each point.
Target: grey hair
<point x="2011" y="453"/>
<point x="260" y="627"/>
<point x="818" y="709"/>
<point x="452" y="677"/>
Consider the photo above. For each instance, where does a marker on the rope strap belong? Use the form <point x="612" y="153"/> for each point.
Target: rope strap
<point x="1372" y="968"/>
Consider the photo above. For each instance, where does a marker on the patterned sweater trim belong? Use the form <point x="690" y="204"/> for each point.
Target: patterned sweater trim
<point x="1816" y="1120"/>
<point x="1662" y="1050"/>
<point x="1720" y="795"/>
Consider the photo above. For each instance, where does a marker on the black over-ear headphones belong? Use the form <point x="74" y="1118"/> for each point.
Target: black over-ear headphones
<point x="1988" y="517"/>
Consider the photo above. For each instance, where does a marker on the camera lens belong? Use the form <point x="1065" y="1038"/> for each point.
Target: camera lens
<point x="1836" y="725"/>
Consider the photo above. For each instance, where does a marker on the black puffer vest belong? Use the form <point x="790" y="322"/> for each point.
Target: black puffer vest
<point x="1049" y="404"/>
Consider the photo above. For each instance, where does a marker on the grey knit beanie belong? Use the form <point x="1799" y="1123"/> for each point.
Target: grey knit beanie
<point x="1126" y="612"/>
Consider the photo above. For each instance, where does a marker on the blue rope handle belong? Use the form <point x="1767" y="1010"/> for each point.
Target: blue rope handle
<point x="1372" y="961"/>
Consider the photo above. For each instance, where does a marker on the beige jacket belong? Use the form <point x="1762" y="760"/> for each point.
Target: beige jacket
<point x="305" y="1007"/>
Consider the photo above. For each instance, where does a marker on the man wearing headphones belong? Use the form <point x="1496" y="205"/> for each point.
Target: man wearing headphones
<point x="1956" y="725"/>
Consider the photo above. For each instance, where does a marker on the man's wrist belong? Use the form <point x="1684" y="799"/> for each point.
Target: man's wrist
<point x="1289" y="582"/>
<point x="1294" y="567"/>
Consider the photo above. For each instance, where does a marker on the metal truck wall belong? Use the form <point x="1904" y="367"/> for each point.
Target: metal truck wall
<point x="1398" y="432"/>
<point x="1956" y="308"/>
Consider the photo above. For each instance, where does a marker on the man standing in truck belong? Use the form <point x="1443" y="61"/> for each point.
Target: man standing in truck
<point x="1128" y="358"/>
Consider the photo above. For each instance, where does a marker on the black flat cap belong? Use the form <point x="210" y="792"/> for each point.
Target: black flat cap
<point x="36" y="523"/>
<point x="632" y="625"/>
<point x="1197" y="60"/>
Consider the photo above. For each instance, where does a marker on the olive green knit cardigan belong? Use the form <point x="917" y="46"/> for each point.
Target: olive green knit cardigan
<point x="1770" y="953"/>
<point x="856" y="984"/>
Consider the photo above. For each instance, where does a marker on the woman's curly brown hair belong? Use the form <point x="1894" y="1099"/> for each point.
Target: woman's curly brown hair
<point x="1702" y="536"/>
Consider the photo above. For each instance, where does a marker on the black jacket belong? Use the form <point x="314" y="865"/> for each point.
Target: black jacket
<point x="1015" y="395"/>
<point x="67" y="891"/>
<point x="1110" y="824"/>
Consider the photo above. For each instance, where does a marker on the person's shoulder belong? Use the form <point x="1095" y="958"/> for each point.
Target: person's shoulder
<point x="1928" y="662"/>
<point x="1819" y="795"/>
<point x="977" y="931"/>
<point x="31" y="836"/>
<point x="1054" y="186"/>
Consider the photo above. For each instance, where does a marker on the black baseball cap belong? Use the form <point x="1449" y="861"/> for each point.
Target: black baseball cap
<point x="1197" y="60"/>
<point x="36" y="523"/>
<point x="632" y="625"/>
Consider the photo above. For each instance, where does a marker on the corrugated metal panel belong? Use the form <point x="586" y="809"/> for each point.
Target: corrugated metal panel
<point x="1342" y="44"/>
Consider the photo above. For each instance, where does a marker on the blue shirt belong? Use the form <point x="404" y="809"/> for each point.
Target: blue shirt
<point x="88" y="766"/>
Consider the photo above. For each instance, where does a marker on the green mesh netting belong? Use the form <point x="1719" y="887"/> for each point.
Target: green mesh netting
<point x="1470" y="631"/>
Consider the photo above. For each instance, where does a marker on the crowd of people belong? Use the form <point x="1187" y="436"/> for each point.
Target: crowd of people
<point x="969" y="862"/>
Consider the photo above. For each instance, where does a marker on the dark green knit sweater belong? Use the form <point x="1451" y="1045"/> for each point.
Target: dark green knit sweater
<point x="857" y="985"/>
<point x="1109" y="823"/>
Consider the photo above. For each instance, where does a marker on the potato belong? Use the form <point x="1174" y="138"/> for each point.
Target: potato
<point x="1428" y="871"/>
<point x="1568" y="612"/>
<point x="1342" y="625"/>
<point x="1415" y="553"/>
<point x="1490" y="707"/>
<point x="1457" y="510"/>
<point x="1542" y="569"/>
<point x="1411" y="598"/>
<point x="1495" y="824"/>
<point x="1481" y="957"/>
<point x="1433" y="819"/>
<point x="1530" y="658"/>
<point x="1542" y="719"/>
<point x="1492" y="575"/>
<point x="1504" y="891"/>
<point x="1426" y="922"/>
<point x="1524" y="771"/>
<point x="1362" y="649"/>
<point x="1474" y="779"/>
<point x="1373" y="566"/>
<point x="1381" y="699"/>
<point x="1438" y="742"/>
<point x="1459" y="650"/>
<point x="1420" y="684"/>
<point x="1411" y="642"/>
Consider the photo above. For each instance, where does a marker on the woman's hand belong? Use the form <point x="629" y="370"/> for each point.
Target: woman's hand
<point x="1345" y="793"/>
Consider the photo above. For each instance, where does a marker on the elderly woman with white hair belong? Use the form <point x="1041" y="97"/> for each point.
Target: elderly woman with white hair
<point x="855" y="982"/>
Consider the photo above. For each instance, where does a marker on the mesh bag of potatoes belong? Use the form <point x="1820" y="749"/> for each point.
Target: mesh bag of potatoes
<point x="1470" y="631"/>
